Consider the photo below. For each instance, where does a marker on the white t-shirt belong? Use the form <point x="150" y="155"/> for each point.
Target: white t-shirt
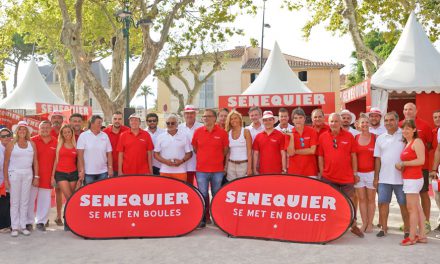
<point x="154" y="137"/>
<point x="388" y="148"/>
<point x="190" y="164"/>
<point x="378" y="130"/>
<point x="289" y="127"/>
<point x="255" y="131"/>
<point x="95" y="149"/>
<point x="173" y="147"/>
<point x="2" y="159"/>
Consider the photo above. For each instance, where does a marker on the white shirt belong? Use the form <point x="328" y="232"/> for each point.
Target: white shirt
<point x="95" y="149"/>
<point x="2" y="159"/>
<point x="388" y="148"/>
<point x="237" y="147"/>
<point x="378" y="130"/>
<point x="173" y="147"/>
<point x="289" y="127"/>
<point x="255" y="131"/>
<point x="190" y="164"/>
<point x="154" y="137"/>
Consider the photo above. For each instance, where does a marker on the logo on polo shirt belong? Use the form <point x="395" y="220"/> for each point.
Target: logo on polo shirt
<point x="217" y="137"/>
<point x="141" y="139"/>
<point x="53" y="148"/>
<point x="344" y="142"/>
<point x="273" y="140"/>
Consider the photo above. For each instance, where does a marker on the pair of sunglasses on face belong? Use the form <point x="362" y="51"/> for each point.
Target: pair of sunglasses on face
<point x="6" y="136"/>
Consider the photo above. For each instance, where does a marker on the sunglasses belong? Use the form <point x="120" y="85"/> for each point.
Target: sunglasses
<point x="335" y="143"/>
<point x="170" y="123"/>
<point x="301" y="140"/>
<point x="152" y="121"/>
<point x="6" y="136"/>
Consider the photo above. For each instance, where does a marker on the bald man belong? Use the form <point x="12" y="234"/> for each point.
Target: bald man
<point x="425" y="134"/>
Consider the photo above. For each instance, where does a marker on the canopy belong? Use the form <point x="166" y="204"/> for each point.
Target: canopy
<point x="276" y="77"/>
<point x="32" y="89"/>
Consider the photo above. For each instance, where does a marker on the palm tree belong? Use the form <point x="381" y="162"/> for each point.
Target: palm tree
<point x="145" y="92"/>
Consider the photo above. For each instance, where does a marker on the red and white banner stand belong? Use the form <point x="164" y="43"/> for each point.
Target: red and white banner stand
<point x="9" y="118"/>
<point x="282" y="207"/>
<point x="134" y="207"/>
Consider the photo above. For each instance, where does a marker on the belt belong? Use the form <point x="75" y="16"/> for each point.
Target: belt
<point x="238" y="161"/>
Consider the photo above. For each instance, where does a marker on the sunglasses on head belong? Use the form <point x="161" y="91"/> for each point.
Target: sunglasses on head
<point x="301" y="140"/>
<point x="335" y="143"/>
<point x="170" y="123"/>
<point x="6" y="136"/>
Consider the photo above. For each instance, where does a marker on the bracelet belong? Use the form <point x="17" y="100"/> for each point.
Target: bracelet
<point x="36" y="177"/>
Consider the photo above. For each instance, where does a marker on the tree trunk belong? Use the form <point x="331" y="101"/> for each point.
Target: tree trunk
<point x="117" y="66"/>
<point x="145" y="98"/>
<point x="62" y="68"/>
<point x="81" y="91"/>
<point x="16" y="73"/>
<point x="4" y="89"/>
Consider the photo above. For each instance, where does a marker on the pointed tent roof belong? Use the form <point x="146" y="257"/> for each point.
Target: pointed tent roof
<point x="33" y="89"/>
<point x="276" y="77"/>
<point x="413" y="65"/>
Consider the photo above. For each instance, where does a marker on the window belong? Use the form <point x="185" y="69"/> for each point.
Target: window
<point x="302" y="75"/>
<point x="254" y="76"/>
<point x="206" y="94"/>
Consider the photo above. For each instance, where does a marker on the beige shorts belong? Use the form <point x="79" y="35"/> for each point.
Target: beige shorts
<point x="236" y="171"/>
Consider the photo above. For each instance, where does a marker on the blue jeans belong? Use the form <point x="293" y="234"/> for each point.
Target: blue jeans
<point x="89" y="178"/>
<point x="203" y="180"/>
<point x="385" y="191"/>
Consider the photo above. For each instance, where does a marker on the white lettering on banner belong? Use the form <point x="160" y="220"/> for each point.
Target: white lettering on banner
<point x="49" y="108"/>
<point x="244" y="101"/>
<point x="355" y="92"/>
<point x="281" y="200"/>
<point x="107" y="200"/>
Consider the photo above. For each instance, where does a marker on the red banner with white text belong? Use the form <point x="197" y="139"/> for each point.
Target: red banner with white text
<point x="9" y="118"/>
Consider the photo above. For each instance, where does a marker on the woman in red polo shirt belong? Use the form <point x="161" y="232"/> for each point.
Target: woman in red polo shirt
<point x="413" y="158"/>
<point x="65" y="172"/>
<point x="302" y="147"/>
<point x="365" y="190"/>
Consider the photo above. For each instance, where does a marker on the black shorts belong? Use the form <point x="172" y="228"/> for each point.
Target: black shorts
<point x="66" y="176"/>
<point x="425" y="187"/>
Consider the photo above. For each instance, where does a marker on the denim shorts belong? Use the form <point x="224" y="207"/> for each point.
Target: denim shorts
<point x="385" y="191"/>
<point x="66" y="176"/>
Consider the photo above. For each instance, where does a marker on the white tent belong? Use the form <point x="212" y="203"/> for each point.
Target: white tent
<point x="413" y="66"/>
<point x="33" y="89"/>
<point x="276" y="77"/>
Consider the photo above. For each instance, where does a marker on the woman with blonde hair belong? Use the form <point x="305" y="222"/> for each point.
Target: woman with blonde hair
<point x="239" y="158"/>
<point x="20" y="157"/>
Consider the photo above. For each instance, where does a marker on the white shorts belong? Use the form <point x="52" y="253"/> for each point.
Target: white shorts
<point x="412" y="186"/>
<point x="365" y="180"/>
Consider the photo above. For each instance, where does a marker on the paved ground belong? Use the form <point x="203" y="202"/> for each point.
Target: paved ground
<point x="210" y="245"/>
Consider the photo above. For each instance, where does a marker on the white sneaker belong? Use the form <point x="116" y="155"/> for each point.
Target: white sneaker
<point x="14" y="233"/>
<point x="25" y="232"/>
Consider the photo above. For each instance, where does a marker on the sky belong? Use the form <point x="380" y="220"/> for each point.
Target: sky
<point x="285" y="28"/>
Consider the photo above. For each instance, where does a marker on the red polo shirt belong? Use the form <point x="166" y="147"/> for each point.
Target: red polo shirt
<point x="77" y="136"/>
<point x="53" y="133"/>
<point x="337" y="161"/>
<point x="425" y="134"/>
<point x="304" y="164"/>
<point x="324" y="129"/>
<point x="434" y="138"/>
<point x="209" y="147"/>
<point x="114" y="139"/>
<point x="135" y="149"/>
<point x="269" y="147"/>
<point x="46" y="159"/>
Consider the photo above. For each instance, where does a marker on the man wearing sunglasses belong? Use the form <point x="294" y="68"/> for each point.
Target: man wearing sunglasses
<point x="337" y="160"/>
<point x="5" y="216"/>
<point x="154" y="131"/>
<point x="173" y="149"/>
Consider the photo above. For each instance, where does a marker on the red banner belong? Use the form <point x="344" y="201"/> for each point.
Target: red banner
<point x="355" y="92"/>
<point x="49" y="108"/>
<point x="282" y="207"/>
<point x="9" y="118"/>
<point x="276" y="100"/>
<point x="134" y="206"/>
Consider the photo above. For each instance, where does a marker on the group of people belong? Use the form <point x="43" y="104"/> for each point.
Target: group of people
<point x="360" y="161"/>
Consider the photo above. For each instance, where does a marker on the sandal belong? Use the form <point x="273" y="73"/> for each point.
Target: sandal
<point x="59" y="222"/>
<point x="408" y="242"/>
<point x="422" y="240"/>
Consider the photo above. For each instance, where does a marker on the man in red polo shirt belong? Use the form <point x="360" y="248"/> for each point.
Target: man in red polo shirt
<point x="56" y="119"/>
<point x="114" y="132"/>
<point x="269" y="148"/>
<point x="318" y="121"/>
<point x="76" y="121"/>
<point x="425" y="134"/>
<point x="211" y="143"/>
<point x="41" y="190"/>
<point x="135" y="149"/>
<point x="337" y="160"/>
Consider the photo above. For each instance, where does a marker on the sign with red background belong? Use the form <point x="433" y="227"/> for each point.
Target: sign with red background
<point x="85" y="111"/>
<point x="10" y="118"/>
<point x="282" y="207"/>
<point x="134" y="206"/>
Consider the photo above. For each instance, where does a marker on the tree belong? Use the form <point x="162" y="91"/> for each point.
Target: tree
<point x="146" y="90"/>
<point x="20" y="51"/>
<point x="358" y="17"/>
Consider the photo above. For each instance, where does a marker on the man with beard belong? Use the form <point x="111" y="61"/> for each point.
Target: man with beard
<point x="76" y="121"/>
<point x="113" y="132"/>
<point x="348" y="119"/>
<point x="154" y="131"/>
<point x="374" y="117"/>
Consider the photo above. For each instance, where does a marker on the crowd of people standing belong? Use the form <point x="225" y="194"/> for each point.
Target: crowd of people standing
<point x="360" y="157"/>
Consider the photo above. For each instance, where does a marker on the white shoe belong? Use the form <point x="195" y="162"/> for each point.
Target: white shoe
<point x="14" y="233"/>
<point x="25" y="232"/>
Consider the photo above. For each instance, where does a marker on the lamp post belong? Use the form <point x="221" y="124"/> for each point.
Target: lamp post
<point x="263" y="25"/>
<point x="124" y="16"/>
